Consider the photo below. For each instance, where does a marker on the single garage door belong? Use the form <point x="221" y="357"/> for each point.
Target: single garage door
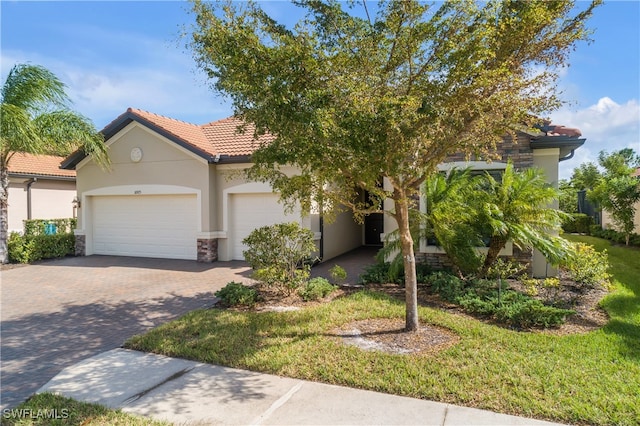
<point x="251" y="211"/>
<point x="162" y="226"/>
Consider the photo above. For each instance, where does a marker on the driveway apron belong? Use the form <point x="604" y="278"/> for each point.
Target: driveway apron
<point x="57" y="313"/>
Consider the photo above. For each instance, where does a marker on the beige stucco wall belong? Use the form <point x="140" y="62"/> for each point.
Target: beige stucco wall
<point x="50" y="199"/>
<point x="547" y="161"/>
<point x="164" y="168"/>
<point x="341" y="235"/>
<point x="607" y="220"/>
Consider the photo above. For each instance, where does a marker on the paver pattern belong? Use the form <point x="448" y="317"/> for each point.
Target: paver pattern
<point x="57" y="313"/>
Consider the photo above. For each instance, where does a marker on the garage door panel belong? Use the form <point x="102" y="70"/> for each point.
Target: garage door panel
<point x="146" y="226"/>
<point x="251" y="211"/>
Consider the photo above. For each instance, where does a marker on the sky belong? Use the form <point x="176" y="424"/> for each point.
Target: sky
<point x="118" y="54"/>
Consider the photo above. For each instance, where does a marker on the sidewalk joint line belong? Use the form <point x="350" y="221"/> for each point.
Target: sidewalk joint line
<point x="277" y="404"/>
<point x="139" y="395"/>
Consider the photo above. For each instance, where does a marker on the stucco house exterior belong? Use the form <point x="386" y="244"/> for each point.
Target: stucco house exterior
<point x="174" y="190"/>
<point x="39" y="189"/>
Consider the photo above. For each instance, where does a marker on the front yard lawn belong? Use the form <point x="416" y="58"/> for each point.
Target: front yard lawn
<point x="48" y="409"/>
<point x="591" y="378"/>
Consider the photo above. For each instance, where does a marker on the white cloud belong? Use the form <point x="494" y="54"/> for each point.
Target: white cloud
<point x="607" y="126"/>
<point x="164" y="81"/>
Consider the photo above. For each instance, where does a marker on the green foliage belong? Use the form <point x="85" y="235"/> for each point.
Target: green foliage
<point x="27" y="249"/>
<point x="448" y="286"/>
<point x="351" y="100"/>
<point x="587" y="266"/>
<point x="516" y="209"/>
<point x="617" y="190"/>
<point x="452" y="220"/>
<point x="387" y="272"/>
<point x="235" y="294"/>
<point x="505" y="268"/>
<point x="315" y="289"/>
<point x="279" y="255"/>
<point x="35" y="118"/>
<point x="338" y="274"/>
<point x="514" y="309"/>
<point x="39" y="226"/>
<point x="509" y="307"/>
<point x="577" y="223"/>
<point x="567" y="197"/>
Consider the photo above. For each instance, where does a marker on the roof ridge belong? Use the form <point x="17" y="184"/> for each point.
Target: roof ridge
<point x="136" y="110"/>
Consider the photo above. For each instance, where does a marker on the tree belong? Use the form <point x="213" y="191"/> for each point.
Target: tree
<point x="35" y="118"/>
<point x="351" y="98"/>
<point x="516" y="209"/>
<point x="618" y="190"/>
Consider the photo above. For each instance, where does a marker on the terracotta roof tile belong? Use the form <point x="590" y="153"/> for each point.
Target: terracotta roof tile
<point x="226" y="139"/>
<point x="192" y="134"/>
<point x="216" y="138"/>
<point x="39" y="165"/>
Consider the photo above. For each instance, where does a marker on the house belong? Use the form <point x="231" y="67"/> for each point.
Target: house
<point x="607" y="219"/>
<point x="175" y="190"/>
<point x="39" y="189"/>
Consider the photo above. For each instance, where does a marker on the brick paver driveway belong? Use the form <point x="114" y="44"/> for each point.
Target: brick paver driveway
<point x="56" y="313"/>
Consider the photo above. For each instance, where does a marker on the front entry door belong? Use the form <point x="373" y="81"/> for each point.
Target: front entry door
<point x="373" y="227"/>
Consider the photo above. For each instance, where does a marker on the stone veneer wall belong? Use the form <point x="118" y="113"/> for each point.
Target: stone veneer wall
<point x="81" y="245"/>
<point x="519" y="152"/>
<point x="207" y="250"/>
<point x="521" y="155"/>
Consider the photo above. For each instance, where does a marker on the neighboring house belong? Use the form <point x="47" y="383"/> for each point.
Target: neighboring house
<point x="607" y="220"/>
<point x="39" y="189"/>
<point x="174" y="191"/>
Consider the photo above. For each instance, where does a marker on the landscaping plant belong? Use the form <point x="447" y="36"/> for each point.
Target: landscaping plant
<point x="280" y="255"/>
<point x="316" y="288"/>
<point x="235" y="294"/>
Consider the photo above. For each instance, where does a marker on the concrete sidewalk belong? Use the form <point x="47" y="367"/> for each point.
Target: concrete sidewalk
<point x="186" y="392"/>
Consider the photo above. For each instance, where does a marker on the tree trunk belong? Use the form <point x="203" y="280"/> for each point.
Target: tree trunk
<point x="4" y="212"/>
<point x="495" y="245"/>
<point x="409" y="260"/>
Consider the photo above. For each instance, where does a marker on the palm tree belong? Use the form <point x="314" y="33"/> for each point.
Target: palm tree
<point x="518" y="209"/>
<point x="35" y="118"/>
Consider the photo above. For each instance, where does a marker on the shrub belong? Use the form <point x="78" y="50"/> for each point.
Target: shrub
<point x="378" y="273"/>
<point x="449" y="287"/>
<point x="577" y="223"/>
<point x="514" y="309"/>
<point x="384" y="272"/>
<point x="280" y="255"/>
<point x="504" y="269"/>
<point x="315" y="289"/>
<point x="35" y="227"/>
<point x="235" y="294"/>
<point x="587" y="266"/>
<point x="338" y="274"/>
<point x="27" y="249"/>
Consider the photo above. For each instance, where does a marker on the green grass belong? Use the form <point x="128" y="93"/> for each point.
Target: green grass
<point x="591" y="378"/>
<point x="51" y="410"/>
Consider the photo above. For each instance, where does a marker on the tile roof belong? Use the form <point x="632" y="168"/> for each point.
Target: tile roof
<point x="38" y="165"/>
<point x="216" y="138"/>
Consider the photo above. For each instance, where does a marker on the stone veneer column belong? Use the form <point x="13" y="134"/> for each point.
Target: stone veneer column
<point x="207" y="250"/>
<point x="81" y="245"/>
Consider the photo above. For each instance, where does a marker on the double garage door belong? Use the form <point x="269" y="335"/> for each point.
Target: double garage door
<point x="163" y="226"/>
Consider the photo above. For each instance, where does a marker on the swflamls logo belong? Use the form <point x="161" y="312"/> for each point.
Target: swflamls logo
<point x="28" y="413"/>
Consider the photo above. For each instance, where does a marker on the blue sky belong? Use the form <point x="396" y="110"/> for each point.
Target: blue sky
<point x="120" y="54"/>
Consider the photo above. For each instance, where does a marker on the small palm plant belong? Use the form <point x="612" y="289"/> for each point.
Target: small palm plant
<point x="518" y="209"/>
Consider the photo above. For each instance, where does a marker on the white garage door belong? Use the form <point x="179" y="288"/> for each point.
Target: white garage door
<point x="146" y="226"/>
<point x="251" y="211"/>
